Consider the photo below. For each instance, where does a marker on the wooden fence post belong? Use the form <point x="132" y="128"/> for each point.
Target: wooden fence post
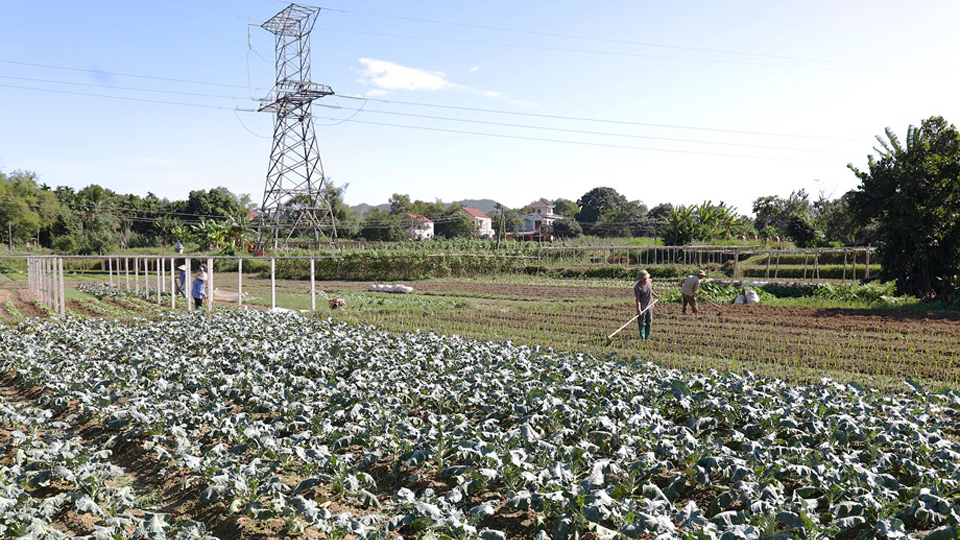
<point x="736" y="263"/>
<point x="173" y="283"/>
<point x="110" y="269"/>
<point x="240" y="281"/>
<point x="766" y="275"/>
<point x="805" y="257"/>
<point x="866" y="270"/>
<point x="776" y="272"/>
<point x="844" y="267"/>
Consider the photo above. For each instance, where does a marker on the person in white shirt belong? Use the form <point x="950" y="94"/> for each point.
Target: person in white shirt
<point x="688" y="289"/>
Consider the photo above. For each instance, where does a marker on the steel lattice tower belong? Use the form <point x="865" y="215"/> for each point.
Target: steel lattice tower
<point x="294" y="198"/>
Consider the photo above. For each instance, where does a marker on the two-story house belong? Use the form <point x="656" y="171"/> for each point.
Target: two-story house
<point x="418" y="227"/>
<point x="541" y="213"/>
<point x="481" y="221"/>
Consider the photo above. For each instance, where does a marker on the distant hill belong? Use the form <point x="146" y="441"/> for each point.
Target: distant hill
<point x="364" y="207"/>
<point x="484" y="205"/>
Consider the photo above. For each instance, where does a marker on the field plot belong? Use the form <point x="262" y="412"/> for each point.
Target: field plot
<point x="252" y="425"/>
<point x="880" y="347"/>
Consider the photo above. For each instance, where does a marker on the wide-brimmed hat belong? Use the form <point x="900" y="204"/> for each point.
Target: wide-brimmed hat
<point x="202" y="275"/>
<point x="643" y="275"/>
<point x="182" y="267"/>
<point x="701" y="273"/>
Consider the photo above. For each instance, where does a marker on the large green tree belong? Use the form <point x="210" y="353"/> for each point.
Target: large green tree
<point x="605" y="212"/>
<point x="27" y="208"/>
<point x="912" y="190"/>
<point x="565" y="208"/>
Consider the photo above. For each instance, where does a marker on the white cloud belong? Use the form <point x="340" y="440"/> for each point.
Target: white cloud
<point x="390" y="76"/>
<point x="387" y="77"/>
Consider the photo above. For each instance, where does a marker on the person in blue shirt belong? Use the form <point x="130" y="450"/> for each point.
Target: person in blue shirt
<point x="199" y="289"/>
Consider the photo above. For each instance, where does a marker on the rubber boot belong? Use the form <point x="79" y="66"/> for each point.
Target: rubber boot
<point x="645" y="334"/>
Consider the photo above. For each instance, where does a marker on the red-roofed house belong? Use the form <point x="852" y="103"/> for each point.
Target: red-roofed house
<point x="418" y="227"/>
<point x="481" y="221"/>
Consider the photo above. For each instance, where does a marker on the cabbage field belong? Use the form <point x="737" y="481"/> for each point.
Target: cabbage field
<point x="255" y="425"/>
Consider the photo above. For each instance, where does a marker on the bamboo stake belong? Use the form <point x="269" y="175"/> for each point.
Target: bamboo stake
<point x="209" y="285"/>
<point x="63" y="298"/>
<point x="866" y="269"/>
<point x="313" y="287"/>
<point x="110" y="270"/>
<point x="844" y="267"/>
<point x="188" y="284"/>
<point x="173" y="283"/>
<point x="776" y="272"/>
<point x="160" y="281"/>
<point x="766" y="274"/>
<point x="240" y="282"/>
<point x="273" y="283"/>
<point x="805" y="256"/>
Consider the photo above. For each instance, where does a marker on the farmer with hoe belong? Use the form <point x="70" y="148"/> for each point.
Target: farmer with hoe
<point x="643" y="292"/>
<point x="688" y="289"/>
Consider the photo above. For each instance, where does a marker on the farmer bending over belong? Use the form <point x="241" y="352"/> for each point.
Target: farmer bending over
<point x="643" y="292"/>
<point x="688" y="289"/>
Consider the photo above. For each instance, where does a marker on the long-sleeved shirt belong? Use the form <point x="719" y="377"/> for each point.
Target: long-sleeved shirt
<point x="690" y="285"/>
<point x="199" y="287"/>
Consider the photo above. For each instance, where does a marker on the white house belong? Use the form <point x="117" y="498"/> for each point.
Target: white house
<point x="541" y="213"/>
<point x="481" y="221"/>
<point x="418" y="227"/>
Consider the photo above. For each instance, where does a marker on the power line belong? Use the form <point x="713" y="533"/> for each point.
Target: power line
<point x="182" y="103"/>
<point x="578" y="131"/>
<point x="401" y="102"/>
<point x="465" y="132"/>
<point x="617" y="41"/>
<point x="581" y="143"/>
<point x="586" y="119"/>
<point x="584" y="51"/>
<point x="121" y="74"/>
<point x="72" y="83"/>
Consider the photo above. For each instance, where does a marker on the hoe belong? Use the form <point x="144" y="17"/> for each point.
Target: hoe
<point x="635" y="317"/>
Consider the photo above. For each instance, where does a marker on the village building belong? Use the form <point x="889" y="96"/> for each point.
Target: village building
<point x="418" y="227"/>
<point x="541" y="213"/>
<point x="481" y="221"/>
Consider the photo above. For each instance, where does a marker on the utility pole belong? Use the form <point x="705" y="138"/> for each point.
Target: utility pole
<point x="294" y="197"/>
<point x="500" y="232"/>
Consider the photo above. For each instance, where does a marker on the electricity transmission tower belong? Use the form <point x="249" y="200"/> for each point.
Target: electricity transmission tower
<point x="295" y="202"/>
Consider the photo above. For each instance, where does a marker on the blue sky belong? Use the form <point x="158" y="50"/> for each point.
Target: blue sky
<point x="686" y="101"/>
